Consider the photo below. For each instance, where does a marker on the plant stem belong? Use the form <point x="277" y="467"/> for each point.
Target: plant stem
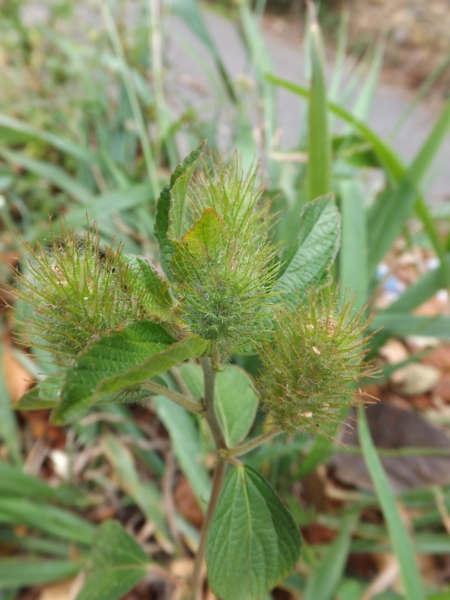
<point x="212" y="419"/>
<point x="210" y="407"/>
<point x="187" y="403"/>
<point x="252" y="444"/>
<point x="218" y="478"/>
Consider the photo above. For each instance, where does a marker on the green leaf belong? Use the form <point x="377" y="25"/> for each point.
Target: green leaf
<point x="204" y="238"/>
<point x="43" y="395"/>
<point x="319" y="142"/>
<point x="114" y="361"/>
<point x="162" y="224"/>
<point x="316" y="248"/>
<point x="163" y="206"/>
<point x="236" y="402"/>
<point x="179" y="192"/>
<point x="152" y="290"/>
<point x="193" y="377"/>
<point x="118" y="564"/>
<point x="253" y="540"/>
<point x="186" y="446"/>
<point x="400" y="539"/>
<point x="21" y="572"/>
<point x="326" y="576"/>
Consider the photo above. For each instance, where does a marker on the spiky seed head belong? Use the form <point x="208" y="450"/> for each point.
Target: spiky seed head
<point x="77" y="290"/>
<point x="310" y="361"/>
<point x="223" y="267"/>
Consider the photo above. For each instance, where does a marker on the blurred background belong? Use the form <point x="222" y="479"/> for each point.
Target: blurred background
<point x="99" y="101"/>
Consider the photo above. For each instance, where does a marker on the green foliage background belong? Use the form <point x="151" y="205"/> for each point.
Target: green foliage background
<point x="71" y="143"/>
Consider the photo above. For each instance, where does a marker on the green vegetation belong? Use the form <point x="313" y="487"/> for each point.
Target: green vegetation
<point x="91" y="128"/>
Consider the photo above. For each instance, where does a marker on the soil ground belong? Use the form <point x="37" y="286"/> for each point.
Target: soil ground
<point x="418" y="35"/>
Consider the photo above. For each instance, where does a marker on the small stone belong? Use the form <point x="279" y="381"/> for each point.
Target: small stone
<point x="415" y="379"/>
<point x="422" y="342"/>
<point x="394" y="351"/>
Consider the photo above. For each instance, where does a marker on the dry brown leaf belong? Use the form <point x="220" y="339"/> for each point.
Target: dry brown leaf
<point x="186" y="503"/>
<point x="392" y="427"/>
<point x="18" y="380"/>
<point x="181" y="569"/>
<point x="63" y="590"/>
<point x="442" y="388"/>
<point x="439" y="358"/>
<point x="42" y="429"/>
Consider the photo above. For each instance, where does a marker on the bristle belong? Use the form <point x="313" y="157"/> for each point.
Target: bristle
<point x="310" y="361"/>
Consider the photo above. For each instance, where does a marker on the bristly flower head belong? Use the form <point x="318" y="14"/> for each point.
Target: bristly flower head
<point x="77" y="291"/>
<point x="223" y="266"/>
<point x="313" y="356"/>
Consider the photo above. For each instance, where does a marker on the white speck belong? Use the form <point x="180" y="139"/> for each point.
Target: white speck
<point x="85" y="298"/>
<point x="442" y="295"/>
<point x="433" y="263"/>
<point x="382" y="270"/>
<point x="60" y="463"/>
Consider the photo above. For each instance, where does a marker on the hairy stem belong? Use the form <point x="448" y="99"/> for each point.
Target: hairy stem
<point x="187" y="403"/>
<point x="212" y="419"/>
<point x="252" y="444"/>
<point x="219" y="475"/>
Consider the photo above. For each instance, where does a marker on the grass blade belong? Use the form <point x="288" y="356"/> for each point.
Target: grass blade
<point x="326" y="576"/>
<point x="190" y="12"/>
<point x="362" y="107"/>
<point x="130" y="87"/>
<point x="186" y="446"/>
<point x="17" y="483"/>
<point x="146" y="495"/>
<point x="426" y="86"/>
<point x="17" y="130"/>
<point x="400" y="539"/>
<point x="352" y="255"/>
<point x="56" y="175"/>
<point x="17" y="573"/>
<point x="402" y="325"/>
<point x="319" y="141"/>
<point x="389" y="160"/>
<point x="46" y="518"/>
<point x="387" y="225"/>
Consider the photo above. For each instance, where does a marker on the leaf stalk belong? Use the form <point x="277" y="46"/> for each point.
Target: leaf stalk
<point x="251" y="444"/>
<point x="180" y="399"/>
